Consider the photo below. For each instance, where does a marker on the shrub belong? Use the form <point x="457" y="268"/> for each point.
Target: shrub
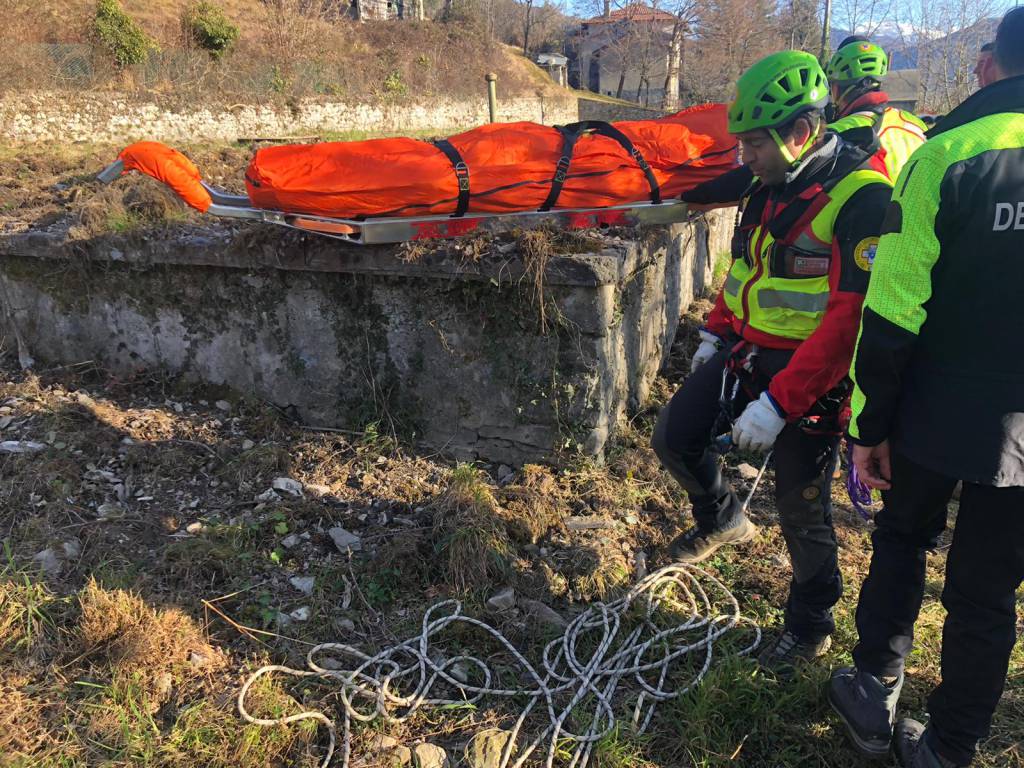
<point x="206" y="25"/>
<point x="120" y="35"/>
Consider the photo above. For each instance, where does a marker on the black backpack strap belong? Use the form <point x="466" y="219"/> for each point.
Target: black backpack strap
<point x="561" y="167"/>
<point x="602" y="128"/>
<point x="461" y="173"/>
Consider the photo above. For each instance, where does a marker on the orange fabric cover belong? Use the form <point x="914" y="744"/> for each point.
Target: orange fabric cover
<point x="510" y="169"/>
<point x="169" y="166"/>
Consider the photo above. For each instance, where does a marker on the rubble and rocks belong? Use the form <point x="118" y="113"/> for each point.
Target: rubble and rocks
<point x="427" y="755"/>
<point x="48" y="561"/>
<point x="746" y="471"/>
<point x="502" y="600"/>
<point x="345" y="541"/>
<point x="543" y="614"/>
<point x="304" y="584"/>
<point x="486" y="748"/>
<point x="287" y="485"/>
<point x="589" y="523"/>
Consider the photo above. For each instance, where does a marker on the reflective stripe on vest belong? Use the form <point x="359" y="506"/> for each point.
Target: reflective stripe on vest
<point x="771" y="298"/>
<point x="899" y="133"/>
<point x="732" y="284"/>
<point x="791" y="307"/>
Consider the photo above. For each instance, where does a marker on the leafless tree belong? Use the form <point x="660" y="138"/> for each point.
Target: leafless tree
<point x="947" y="35"/>
<point x="686" y="12"/>
<point x="862" y="17"/>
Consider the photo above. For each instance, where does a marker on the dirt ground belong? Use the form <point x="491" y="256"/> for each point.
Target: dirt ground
<point x="167" y="540"/>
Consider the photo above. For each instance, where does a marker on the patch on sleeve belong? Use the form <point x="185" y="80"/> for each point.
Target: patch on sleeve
<point x="864" y="253"/>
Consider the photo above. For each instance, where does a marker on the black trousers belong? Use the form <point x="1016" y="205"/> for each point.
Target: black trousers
<point x="803" y="482"/>
<point x="984" y="568"/>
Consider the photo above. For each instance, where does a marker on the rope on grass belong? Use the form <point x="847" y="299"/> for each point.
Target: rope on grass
<point x="614" y="653"/>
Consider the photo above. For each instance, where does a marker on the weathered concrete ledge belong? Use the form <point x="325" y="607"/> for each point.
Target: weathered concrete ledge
<point x="448" y="346"/>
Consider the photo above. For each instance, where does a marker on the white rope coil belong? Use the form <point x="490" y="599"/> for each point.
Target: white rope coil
<point x="620" y="664"/>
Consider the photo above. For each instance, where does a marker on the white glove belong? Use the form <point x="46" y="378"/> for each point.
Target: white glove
<point x="758" y="425"/>
<point x="709" y="345"/>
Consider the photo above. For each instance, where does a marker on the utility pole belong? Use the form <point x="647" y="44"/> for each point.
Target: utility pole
<point x="826" y="32"/>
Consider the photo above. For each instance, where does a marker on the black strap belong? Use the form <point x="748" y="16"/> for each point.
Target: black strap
<point x="561" y="167"/>
<point x="461" y="173"/>
<point x="602" y="128"/>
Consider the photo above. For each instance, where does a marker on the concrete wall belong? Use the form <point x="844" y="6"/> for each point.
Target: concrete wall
<point x="610" y="111"/>
<point x="103" y="117"/>
<point x="449" y="349"/>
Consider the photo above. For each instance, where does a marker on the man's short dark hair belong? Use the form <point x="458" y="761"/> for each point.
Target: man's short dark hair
<point x="813" y="117"/>
<point x="1009" y="48"/>
<point x="988" y="47"/>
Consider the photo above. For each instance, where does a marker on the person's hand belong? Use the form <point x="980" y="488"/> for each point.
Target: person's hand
<point x="873" y="465"/>
<point x="709" y="345"/>
<point x="758" y="425"/>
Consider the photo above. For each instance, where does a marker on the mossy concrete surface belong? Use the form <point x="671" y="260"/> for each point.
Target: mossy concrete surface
<point x="444" y="345"/>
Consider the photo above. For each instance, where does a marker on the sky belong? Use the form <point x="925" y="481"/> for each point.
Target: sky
<point x="892" y="11"/>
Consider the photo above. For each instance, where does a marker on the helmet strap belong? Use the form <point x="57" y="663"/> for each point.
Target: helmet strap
<point x="790" y="158"/>
<point x="855" y="90"/>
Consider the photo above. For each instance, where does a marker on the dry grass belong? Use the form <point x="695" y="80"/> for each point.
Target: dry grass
<point x="119" y="626"/>
<point x="469" y="533"/>
<point x="113" y="661"/>
<point x="534" y="505"/>
<point x="287" y="49"/>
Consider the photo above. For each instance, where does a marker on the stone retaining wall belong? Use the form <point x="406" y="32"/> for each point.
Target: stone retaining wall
<point x="103" y="117"/>
<point x="447" y="348"/>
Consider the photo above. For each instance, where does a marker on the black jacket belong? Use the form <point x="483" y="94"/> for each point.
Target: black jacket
<point x="939" y="367"/>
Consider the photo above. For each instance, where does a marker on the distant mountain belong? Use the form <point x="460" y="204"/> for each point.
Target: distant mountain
<point x="905" y="44"/>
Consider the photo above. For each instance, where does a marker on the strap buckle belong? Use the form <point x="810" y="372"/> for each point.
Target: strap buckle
<point x="462" y="174"/>
<point x="562" y="169"/>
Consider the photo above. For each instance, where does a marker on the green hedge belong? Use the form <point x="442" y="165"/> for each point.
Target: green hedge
<point x="207" y="26"/>
<point x="118" y="33"/>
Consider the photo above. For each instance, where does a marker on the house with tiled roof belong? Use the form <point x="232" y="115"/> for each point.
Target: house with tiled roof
<point x="624" y="53"/>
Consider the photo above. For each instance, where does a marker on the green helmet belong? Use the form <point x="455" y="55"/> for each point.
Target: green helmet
<point x="776" y="89"/>
<point x="858" y="60"/>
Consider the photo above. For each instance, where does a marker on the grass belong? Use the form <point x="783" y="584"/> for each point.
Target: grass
<point x="469" y="536"/>
<point x="132" y="654"/>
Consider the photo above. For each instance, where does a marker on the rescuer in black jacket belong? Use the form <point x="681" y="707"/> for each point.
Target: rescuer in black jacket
<point x="939" y="398"/>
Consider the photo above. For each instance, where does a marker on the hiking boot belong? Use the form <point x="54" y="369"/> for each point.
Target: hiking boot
<point x="912" y="750"/>
<point x="867" y="706"/>
<point x="782" y="656"/>
<point x="695" y="545"/>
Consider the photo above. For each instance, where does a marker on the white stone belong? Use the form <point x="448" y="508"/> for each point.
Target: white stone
<point x="21" y="446"/>
<point x="223" y="405"/>
<point x="304" y="584"/>
<point x="543" y="614"/>
<point x="588" y="523"/>
<point x="248" y="445"/>
<point x="429" y="756"/>
<point x="268" y="496"/>
<point x="197" y="659"/>
<point x="290" y="541"/>
<point x="48" y="561"/>
<point x="502" y="600"/>
<point x="287" y="485"/>
<point x="345" y="541"/>
<point x="746" y="471"/>
<point x="485" y="749"/>
<point x="108" y="510"/>
<point x="72" y="549"/>
<point x="301" y="614"/>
